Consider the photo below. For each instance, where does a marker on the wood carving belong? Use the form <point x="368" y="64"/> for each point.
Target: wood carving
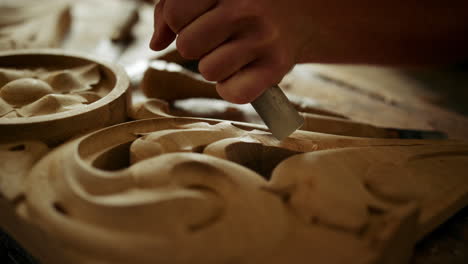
<point x="33" y="23"/>
<point x="51" y="96"/>
<point x="378" y="96"/>
<point x="175" y="91"/>
<point x="153" y="108"/>
<point x="37" y="92"/>
<point x="17" y="160"/>
<point x="184" y="190"/>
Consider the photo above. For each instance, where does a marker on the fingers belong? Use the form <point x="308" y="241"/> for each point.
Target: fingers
<point x="245" y="51"/>
<point x="205" y="34"/>
<point x="228" y="59"/>
<point x="179" y="13"/>
<point x="250" y="82"/>
<point x="163" y="36"/>
<point x="171" y="16"/>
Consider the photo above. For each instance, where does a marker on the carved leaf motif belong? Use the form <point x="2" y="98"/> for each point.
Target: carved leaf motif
<point x="74" y="80"/>
<point x="338" y="199"/>
<point x="151" y="108"/>
<point x="50" y="104"/>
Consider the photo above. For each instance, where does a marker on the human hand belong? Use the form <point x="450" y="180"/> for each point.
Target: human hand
<point x="249" y="45"/>
<point x="246" y="46"/>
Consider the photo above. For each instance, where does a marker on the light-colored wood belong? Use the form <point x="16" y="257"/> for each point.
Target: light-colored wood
<point x="17" y="160"/>
<point x="137" y="192"/>
<point x="377" y="96"/>
<point x="154" y="108"/>
<point x="378" y="100"/>
<point x="33" y="23"/>
<point x="193" y="107"/>
<point x="44" y="92"/>
<point x="166" y="81"/>
<point x="51" y="96"/>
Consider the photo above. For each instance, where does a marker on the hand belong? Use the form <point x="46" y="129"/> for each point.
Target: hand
<point x="246" y="46"/>
<point x="249" y="45"/>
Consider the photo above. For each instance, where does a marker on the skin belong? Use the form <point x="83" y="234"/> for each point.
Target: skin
<point x="249" y="45"/>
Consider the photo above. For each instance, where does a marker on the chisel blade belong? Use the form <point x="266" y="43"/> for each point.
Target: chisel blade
<point x="277" y="112"/>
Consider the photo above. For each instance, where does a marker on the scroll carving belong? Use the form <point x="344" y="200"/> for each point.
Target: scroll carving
<point x="181" y="190"/>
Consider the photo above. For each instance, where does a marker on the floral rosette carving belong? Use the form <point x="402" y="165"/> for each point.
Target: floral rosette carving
<point x="27" y="93"/>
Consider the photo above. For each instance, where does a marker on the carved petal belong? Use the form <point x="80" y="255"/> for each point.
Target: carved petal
<point x="89" y="74"/>
<point x="52" y="103"/>
<point x="73" y="80"/>
<point x="151" y="108"/>
<point x="24" y="91"/>
<point x="65" y="81"/>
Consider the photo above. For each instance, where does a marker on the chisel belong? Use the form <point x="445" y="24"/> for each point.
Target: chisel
<point x="277" y="112"/>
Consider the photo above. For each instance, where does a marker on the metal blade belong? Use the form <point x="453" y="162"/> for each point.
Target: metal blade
<point x="278" y="113"/>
